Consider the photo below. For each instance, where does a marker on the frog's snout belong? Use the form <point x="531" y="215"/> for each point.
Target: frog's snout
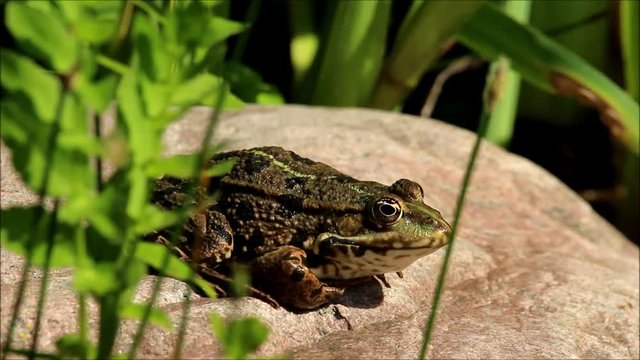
<point x="443" y="234"/>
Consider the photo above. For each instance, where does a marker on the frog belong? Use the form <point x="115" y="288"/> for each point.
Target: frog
<point x="305" y="230"/>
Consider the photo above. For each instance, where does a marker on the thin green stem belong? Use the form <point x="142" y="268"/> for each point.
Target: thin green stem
<point x="252" y="14"/>
<point x="39" y="212"/>
<point x="32" y="354"/>
<point x="482" y="128"/>
<point x="211" y="125"/>
<point x="126" y="17"/>
<point x="111" y="64"/>
<point x="51" y="232"/>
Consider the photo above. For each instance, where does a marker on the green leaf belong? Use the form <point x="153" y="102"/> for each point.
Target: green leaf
<point x="352" y="56"/>
<point x="249" y="86"/>
<point x="19" y="233"/>
<point x="239" y="337"/>
<point x="43" y="35"/>
<point x="104" y="278"/>
<point x="105" y="212"/>
<point x="194" y="26"/>
<point x="156" y="316"/>
<point x="219" y="29"/>
<point x="40" y="89"/>
<point x="630" y="43"/>
<point x="92" y="21"/>
<point x="99" y="279"/>
<point x="546" y="64"/>
<point x="156" y="96"/>
<point x="184" y="166"/>
<point x="72" y="346"/>
<point x="29" y="140"/>
<point x="151" y="49"/>
<point x="154" y="218"/>
<point x="99" y="93"/>
<point x="420" y="40"/>
<point x="175" y="166"/>
<point x="155" y="254"/>
<point x="196" y="89"/>
<point x="143" y="139"/>
<point x="221" y="168"/>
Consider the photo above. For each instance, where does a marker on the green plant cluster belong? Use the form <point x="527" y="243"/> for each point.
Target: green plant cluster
<point x="148" y="62"/>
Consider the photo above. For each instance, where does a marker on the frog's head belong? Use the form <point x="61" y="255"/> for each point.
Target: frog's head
<point x="397" y="229"/>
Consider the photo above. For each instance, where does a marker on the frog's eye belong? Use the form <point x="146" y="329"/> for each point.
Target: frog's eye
<point x="386" y="211"/>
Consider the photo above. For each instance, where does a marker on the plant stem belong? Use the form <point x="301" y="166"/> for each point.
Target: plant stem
<point x="482" y="128"/>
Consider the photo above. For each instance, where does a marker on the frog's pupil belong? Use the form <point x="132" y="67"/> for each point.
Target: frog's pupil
<point x="388" y="210"/>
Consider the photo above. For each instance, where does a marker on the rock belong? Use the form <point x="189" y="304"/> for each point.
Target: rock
<point x="535" y="271"/>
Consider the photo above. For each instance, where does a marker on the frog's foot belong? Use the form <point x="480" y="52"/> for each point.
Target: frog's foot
<point x="216" y="278"/>
<point x="283" y="273"/>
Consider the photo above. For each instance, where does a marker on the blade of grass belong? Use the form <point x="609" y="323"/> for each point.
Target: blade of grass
<point x="53" y="137"/>
<point x="488" y="103"/>
<point x="45" y="276"/>
<point x="352" y="54"/>
<point x="205" y="149"/>
<point x="421" y="39"/>
<point x="553" y="68"/>
<point x="252" y="14"/>
<point x="629" y="30"/>
<point x="304" y="41"/>
<point x="502" y="120"/>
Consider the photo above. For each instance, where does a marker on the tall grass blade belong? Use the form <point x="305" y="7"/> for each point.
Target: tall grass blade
<point x="488" y="103"/>
<point x="352" y="54"/>
<point x="305" y="41"/>
<point x="421" y="40"/>
<point x="630" y="41"/>
<point x="503" y="116"/>
<point x="553" y="68"/>
<point x="42" y="191"/>
<point x="221" y="92"/>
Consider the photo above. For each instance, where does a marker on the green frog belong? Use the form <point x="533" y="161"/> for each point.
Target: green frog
<point x="304" y="229"/>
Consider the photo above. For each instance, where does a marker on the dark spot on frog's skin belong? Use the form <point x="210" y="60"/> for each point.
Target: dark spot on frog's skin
<point x="283" y="212"/>
<point x="294" y="182"/>
<point x="297" y="274"/>
<point x="359" y="251"/>
<point x="290" y="201"/>
<point x="254" y="165"/>
<point x="245" y="210"/>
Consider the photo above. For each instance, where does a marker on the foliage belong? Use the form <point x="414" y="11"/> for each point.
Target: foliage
<point x="148" y="62"/>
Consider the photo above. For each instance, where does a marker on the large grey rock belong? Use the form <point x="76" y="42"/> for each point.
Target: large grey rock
<point x="535" y="271"/>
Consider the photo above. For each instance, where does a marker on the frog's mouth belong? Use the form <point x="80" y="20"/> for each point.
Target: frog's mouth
<point x="381" y="243"/>
<point x="347" y="258"/>
<point x="360" y="256"/>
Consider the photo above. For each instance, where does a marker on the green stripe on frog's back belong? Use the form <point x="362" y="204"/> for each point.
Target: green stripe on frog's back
<point x="286" y="168"/>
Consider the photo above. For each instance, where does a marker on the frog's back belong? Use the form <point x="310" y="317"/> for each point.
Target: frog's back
<point x="275" y="172"/>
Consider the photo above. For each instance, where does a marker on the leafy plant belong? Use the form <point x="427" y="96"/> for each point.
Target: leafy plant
<point x="148" y="62"/>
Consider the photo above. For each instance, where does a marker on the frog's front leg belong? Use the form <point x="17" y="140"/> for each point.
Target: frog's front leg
<point x="210" y="238"/>
<point x="283" y="274"/>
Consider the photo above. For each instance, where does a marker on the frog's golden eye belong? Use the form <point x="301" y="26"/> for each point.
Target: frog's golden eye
<point x="386" y="211"/>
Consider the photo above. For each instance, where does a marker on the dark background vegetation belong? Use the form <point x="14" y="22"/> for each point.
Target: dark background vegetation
<point x="567" y="139"/>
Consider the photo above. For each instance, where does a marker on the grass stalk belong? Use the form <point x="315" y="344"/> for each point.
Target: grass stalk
<point x="488" y="103"/>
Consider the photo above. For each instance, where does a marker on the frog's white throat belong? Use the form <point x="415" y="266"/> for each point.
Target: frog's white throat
<point x="350" y="262"/>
